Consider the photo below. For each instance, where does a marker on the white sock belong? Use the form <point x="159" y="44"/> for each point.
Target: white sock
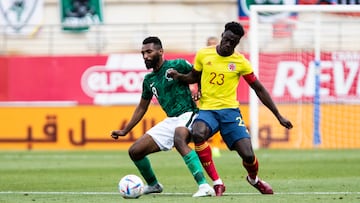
<point x="218" y="182"/>
<point x="252" y="181"/>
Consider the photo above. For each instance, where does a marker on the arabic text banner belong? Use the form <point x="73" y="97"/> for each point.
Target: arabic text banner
<point x="73" y="128"/>
<point x="81" y="127"/>
<point x="89" y="127"/>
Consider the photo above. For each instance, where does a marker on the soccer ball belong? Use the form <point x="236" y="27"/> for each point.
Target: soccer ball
<point x="131" y="186"/>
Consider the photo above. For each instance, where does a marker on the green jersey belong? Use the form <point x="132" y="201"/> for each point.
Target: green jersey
<point x="173" y="96"/>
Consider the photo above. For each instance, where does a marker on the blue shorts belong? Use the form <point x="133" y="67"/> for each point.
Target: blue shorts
<point x="228" y="121"/>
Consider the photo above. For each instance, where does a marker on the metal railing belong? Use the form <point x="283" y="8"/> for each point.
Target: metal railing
<point x="176" y="37"/>
<point x="109" y="38"/>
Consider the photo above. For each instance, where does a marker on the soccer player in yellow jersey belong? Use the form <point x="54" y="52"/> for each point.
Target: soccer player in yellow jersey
<point x="219" y="69"/>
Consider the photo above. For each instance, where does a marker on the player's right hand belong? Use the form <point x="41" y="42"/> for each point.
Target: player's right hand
<point x="196" y="96"/>
<point x="116" y="133"/>
<point x="285" y="122"/>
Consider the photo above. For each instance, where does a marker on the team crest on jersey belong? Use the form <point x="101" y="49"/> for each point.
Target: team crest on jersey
<point x="231" y="66"/>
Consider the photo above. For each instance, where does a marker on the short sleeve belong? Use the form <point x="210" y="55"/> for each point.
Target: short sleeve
<point x="146" y="90"/>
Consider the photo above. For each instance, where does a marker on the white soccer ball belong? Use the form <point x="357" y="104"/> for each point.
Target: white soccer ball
<point x="131" y="186"/>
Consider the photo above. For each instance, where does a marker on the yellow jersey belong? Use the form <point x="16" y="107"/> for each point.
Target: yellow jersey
<point x="220" y="78"/>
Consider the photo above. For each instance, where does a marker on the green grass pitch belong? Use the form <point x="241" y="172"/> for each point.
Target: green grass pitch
<point x="92" y="176"/>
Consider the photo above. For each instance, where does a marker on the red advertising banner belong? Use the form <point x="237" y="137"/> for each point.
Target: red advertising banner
<point x="117" y="79"/>
<point x="290" y="77"/>
<point x="48" y="78"/>
<point x="104" y="80"/>
<point x="3" y="79"/>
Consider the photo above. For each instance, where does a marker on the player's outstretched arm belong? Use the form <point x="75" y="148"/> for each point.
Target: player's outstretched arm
<point x="138" y="114"/>
<point x="265" y="98"/>
<point x="190" y="78"/>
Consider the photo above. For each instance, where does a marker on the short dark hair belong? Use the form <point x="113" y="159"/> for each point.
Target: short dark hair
<point x="154" y="40"/>
<point x="235" y="28"/>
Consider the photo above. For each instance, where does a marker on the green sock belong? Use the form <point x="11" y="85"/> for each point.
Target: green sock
<point x="146" y="171"/>
<point x="192" y="161"/>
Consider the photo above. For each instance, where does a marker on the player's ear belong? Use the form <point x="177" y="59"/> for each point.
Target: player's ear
<point x="161" y="50"/>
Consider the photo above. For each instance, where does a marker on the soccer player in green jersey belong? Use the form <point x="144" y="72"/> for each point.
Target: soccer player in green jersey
<point x="175" y="99"/>
<point x="219" y="69"/>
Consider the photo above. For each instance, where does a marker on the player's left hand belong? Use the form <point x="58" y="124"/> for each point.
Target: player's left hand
<point x="172" y="73"/>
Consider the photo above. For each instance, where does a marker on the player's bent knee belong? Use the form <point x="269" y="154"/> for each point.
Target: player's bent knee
<point x="200" y="135"/>
<point x="178" y="141"/>
<point x="182" y="136"/>
<point x="249" y="158"/>
<point x="134" y="153"/>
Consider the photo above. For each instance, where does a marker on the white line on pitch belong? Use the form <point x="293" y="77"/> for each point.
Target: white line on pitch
<point x="176" y="193"/>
